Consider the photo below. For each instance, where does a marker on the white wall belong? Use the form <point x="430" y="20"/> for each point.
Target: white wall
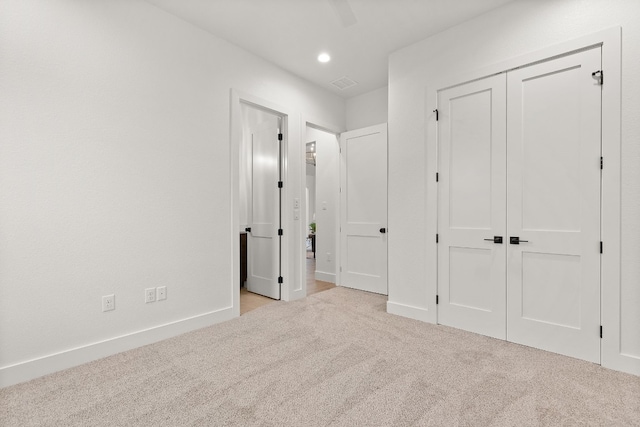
<point x="115" y="175"/>
<point x="507" y="32"/>
<point x="367" y="109"/>
<point x="327" y="202"/>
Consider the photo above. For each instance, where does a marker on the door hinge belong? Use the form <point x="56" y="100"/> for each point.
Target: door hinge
<point x="601" y="246"/>
<point x="437" y="238"/>
<point x="437" y="300"/>
<point x="437" y="177"/>
<point x="280" y="232"/>
<point x="280" y="184"/>
<point x="599" y="75"/>
<point x="600" y="331"/>
<point x="601" y="162"/>
<point x="279" y="137"/>
<point x="437" y="114"/>
<point x="280" y="280"/>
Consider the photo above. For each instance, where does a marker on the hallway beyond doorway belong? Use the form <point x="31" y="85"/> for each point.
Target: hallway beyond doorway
<point x="314" y="286"/>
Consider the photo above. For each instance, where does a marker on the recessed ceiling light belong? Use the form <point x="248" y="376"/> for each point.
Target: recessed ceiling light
<point x="324" y="57"/>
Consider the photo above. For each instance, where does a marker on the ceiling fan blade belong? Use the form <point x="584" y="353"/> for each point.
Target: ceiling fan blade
<point x="344" y="12"/>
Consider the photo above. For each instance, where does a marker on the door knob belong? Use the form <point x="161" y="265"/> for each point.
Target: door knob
<point x="383" y="230"/>
<point x="496" y="239"/>
<point x="515" y="240"/>
<point x="248" y="229"/>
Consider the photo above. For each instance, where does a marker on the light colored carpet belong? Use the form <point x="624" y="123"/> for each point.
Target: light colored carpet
<point x="335" y="358"/>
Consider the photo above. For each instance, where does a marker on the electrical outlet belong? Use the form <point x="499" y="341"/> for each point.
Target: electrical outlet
<point x="328" y="256"/>
<point x="149" y="295"/>
<point x="161" y="293"/>
<point x="108" y="302"/>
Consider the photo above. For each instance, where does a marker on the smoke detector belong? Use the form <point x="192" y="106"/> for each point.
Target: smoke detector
<point x="344" y="83"/>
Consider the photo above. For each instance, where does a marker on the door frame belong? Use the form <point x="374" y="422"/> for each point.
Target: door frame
<point x="610" y="276"/>
<point x="291" y="138"/>
<point x="313" y="122"/>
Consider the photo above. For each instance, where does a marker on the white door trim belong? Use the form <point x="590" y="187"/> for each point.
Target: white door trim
<point x="610" y="40"/>
<point x="301" y="291"/>
<point x="291" y="138"/>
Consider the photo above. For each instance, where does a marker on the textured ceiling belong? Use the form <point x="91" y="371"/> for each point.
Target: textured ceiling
<point x="358" y="34"/>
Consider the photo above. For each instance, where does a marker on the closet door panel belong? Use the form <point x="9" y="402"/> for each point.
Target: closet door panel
<point x="472" y="191"/>
<point x="553" y="207"/>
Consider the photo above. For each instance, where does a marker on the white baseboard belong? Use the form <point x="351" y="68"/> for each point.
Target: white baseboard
<point x="619" y="361"/>
<point x="411" y="312"/>
<point x="325" y="277"/>
<point x="25" y="371"/>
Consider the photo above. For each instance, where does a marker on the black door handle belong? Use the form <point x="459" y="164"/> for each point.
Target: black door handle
<point x="515" y="240"/>
<point x="248" y="229"/>
<point x="496" y="239"/>
<point x="383" y="230"/>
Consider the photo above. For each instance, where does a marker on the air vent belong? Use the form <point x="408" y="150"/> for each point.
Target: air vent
<point x="344" y="83"/>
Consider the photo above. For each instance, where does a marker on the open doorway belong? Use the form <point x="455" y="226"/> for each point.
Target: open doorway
<point x="260" y="206"/>
<point x="322" y="192"/>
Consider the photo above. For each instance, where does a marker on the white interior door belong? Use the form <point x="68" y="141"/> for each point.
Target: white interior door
<point x="264" y="245"/>
<point x="554" y="150"/>
<point x="472" y="215"/>
<point x="363" y="238"/>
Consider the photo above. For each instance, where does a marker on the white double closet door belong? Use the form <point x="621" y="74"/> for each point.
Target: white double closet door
<point x="519" y="206"/>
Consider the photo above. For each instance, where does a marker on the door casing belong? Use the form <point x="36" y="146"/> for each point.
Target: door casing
<point x="290" y="133"/>
<point x="559" y="157"/>
<point x="610" y="40"/>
